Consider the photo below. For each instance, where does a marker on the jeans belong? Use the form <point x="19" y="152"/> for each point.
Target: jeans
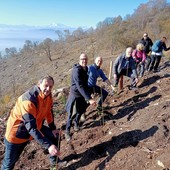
<point x="13" y="151"/>
<point x="103" y="93"/>
<point x="140" y="69"/>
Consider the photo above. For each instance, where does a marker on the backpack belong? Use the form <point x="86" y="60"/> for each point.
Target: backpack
<point x="156" y="46"/>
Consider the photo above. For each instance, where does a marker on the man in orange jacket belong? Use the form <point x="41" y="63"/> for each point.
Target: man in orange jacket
<point x="26" y="123"/>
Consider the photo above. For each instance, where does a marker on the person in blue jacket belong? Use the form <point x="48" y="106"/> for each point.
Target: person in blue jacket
<point x="156" y="54"/>
<point x="125" y="65"/>
<point x="79" y="98"/>
<point x="94" y="72"/>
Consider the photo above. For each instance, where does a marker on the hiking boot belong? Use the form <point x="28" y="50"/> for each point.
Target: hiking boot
<point x="62" y="164"/>
<point x="133" y="88"/>
<point x="83" y="118"/>
<point x="76" y="127"/>
<point x="67" y="136"/>
<point x="155" y="71"/>
<point x="115" y="90"/>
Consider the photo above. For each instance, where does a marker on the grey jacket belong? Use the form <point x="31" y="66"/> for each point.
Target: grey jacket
<point x="122" y="62"/>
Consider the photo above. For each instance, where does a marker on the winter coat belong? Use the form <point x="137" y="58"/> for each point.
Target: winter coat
<point x="122" y="62"/>
<point x="139" y="56"/>
<point x="147" y="44"/>
<point x="79" y="82"/>
<point x="159" y="46"/>
<point x="27" y="117"/>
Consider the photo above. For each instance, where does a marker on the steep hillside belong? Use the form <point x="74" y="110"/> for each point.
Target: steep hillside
<point x="18" y="73"/>
<point x="133" y="134"/>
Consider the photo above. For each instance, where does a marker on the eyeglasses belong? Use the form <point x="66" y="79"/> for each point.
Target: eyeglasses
<point x="83" y="59"/>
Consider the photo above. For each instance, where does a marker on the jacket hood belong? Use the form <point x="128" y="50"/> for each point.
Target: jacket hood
<point x="78" y="66"/>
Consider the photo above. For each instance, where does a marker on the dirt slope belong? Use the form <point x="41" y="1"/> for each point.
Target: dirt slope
<point x="133" y="134"/>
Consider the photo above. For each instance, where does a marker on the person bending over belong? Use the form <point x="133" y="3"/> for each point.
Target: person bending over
<point x="94" y="72"/>
<point x="125" y="65"/>
<point x="26" y="122"/>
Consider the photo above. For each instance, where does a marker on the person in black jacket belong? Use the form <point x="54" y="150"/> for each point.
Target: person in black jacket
<point x="80" y="97"/>
<point x="147" y="42"/>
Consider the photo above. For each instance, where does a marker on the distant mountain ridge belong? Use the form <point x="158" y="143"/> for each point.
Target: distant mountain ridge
<point x="16" y="35"/>
<point x="29" y="27"/>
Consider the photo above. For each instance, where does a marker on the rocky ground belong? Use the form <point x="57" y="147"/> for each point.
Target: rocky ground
<point x="133" y="134"/>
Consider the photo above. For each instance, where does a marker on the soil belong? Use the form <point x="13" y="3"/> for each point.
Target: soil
<point x="132" y="134"/>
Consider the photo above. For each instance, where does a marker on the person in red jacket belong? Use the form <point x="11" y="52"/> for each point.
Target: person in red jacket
<point x="25" y="123"/>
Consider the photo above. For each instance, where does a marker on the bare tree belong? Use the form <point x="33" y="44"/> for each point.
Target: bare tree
<point x="78" y="33"/>
<point x="67" y="34"/>
<point x="11" y="52"/>
<point x="7" y="51"/>
<point x="46" y="46"/>
<point x="60" y="35"/>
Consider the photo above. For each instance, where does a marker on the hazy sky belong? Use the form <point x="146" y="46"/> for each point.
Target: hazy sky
<point x="68" y="12"/>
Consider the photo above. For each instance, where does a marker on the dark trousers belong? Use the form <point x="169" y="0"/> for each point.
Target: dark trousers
<point x="148" y="62"/>
<point x="155" y="60"/>
<point x="128" y="73"/>
<point x="75" y="107"/>
<point x="102" y="92"/>
<point x="13" y="151"/>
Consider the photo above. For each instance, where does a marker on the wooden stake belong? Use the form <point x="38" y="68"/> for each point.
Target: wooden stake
<point x="111" y="69"/>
